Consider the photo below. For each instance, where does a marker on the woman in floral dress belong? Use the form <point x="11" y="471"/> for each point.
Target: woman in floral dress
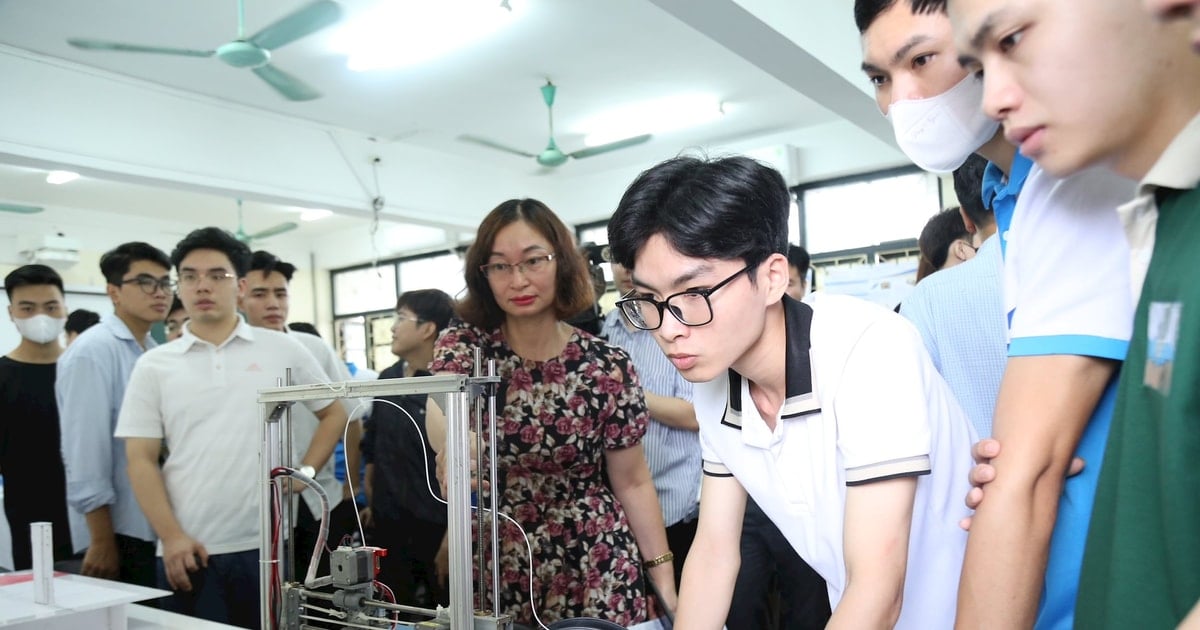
<point x="572" y="410"/>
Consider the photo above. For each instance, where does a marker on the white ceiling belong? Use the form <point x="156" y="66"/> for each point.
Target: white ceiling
<point x="601" y="54"/>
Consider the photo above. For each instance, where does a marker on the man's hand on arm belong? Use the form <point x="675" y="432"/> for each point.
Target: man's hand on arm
<point x="1043" y="407"/>
<point x="878" y="519"/>
<point x="181" y="554"/>
<point x="983" y="473"/>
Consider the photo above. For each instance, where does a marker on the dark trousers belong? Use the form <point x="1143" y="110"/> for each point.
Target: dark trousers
<point x="137" y="561"/>
<point x="409" y="569"/>
<point x="775" y="589"/>
<point x="679" y="541"/>
<point x="225" y="592"/>
<point x="23" y="510"/>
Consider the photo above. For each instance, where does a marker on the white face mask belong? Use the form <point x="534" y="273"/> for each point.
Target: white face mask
<point x="40" y="328"/>
<point x="939" y="133"/>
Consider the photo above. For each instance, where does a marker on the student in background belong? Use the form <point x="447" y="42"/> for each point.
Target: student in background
<point x="92" y="377"/>
<point x="176" y="317"/>
<point x="78" y="321"/>
<point x="408" y="519"/>
<point x="30" y="456"/>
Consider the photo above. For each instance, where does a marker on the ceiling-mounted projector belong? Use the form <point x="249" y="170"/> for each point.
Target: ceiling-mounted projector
<point x="54" y="250"/>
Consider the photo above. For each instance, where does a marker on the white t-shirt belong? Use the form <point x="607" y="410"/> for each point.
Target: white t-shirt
<point x="1066" y="268"/>
<point x="202" y="400"/>
<point x="880" y="410"/>
<point x="304" y="423"/>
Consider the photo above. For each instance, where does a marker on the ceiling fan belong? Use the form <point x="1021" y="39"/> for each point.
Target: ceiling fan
<point x="552" y="156"/>
<point x="243" y="236"/>
<point x="252" y="52"/>
<point x="20" y="208"/>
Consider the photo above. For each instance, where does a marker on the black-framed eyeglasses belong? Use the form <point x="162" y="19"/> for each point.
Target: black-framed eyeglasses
<point x="535" y="264"/>
<point x="149" y="284"/>
<point x="691" y="307"/>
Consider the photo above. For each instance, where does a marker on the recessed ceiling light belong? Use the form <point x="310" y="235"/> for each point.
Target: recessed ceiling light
<point x="314" y="214"/>
<point x="395" y="34"/>
<point x="61" y="177"/>
<point x="658" y="116"/>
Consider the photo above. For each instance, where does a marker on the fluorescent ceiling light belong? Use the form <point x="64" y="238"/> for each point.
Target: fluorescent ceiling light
<point x="61" y="177"/>
<point x="399" y="33"/>
<point x="314" y="214"/>
<point x="657" y="116"/>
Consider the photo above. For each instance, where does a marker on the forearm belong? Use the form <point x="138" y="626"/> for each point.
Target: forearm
<point x="1043" y="408"/>
<point x="864" y="606"/>
<point x="325" y="438"/>
<point x="640" y="503"/>
<point x="100" y="527"/>
<point x="369" y="482"/>
<point x="676" y="413"/>
<point x="352" y="444"/>
<point x="707" y="587"/>
<point x="151" y="493"/>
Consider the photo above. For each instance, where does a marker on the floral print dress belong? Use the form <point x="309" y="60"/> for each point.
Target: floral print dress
<point x="557" y="417"/>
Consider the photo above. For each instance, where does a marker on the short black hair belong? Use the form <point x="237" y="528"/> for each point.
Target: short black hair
<point x="304" y="327"/>
<point x="429" y="305"/>
<point x="968" y="185"/>
<point x="266" y="262"/>
<point x="798" y="257"/>
<point x="176" y="305"/>
<point x="723" y="208"/>
<point x="942" y="229"/>
<point x="867" y="11"/>
<point x="218" y="239"/>
<point x="115" y="263"/>
<point x="31" y="275"/>
<point x="80" y="320"/>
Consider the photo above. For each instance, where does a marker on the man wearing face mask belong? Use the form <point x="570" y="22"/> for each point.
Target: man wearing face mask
<point x="35" y="487"/>
<point x="1069" y="313"/>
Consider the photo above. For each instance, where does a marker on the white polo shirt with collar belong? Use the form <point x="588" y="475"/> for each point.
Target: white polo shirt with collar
<point x="863" y="404"/>
<point x="202" y="401"/>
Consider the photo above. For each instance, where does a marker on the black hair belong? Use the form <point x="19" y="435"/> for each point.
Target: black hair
<point x="176" y="305"/>
<point x="266" y="262"/>
<point x="968" y="184"/>
<point x="723" y="208"/>
<point x="115" y="263"/>
<point x="31" y="275"/>
<point x="219" y="240"/>
<point x="798" y="257"/>
<point x="80" y="320"/>
<point x="942" y="229"/>
<point x="867" y="11"/>
<point x="429" y="305"/>
<point x="304" y="327"/>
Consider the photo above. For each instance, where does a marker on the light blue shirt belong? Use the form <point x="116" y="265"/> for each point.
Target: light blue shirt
<point x="960" y="315"/>
<point x="92" y="376"/>
<point x="672" y="454"/>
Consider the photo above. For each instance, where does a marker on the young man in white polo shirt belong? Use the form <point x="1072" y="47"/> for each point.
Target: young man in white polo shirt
<point x="265" y="305"/>
<point x="198" y="397"/>
<point x="831" y="416"/>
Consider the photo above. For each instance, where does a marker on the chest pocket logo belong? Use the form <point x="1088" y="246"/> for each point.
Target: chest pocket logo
<point x="1162" y="331"/>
